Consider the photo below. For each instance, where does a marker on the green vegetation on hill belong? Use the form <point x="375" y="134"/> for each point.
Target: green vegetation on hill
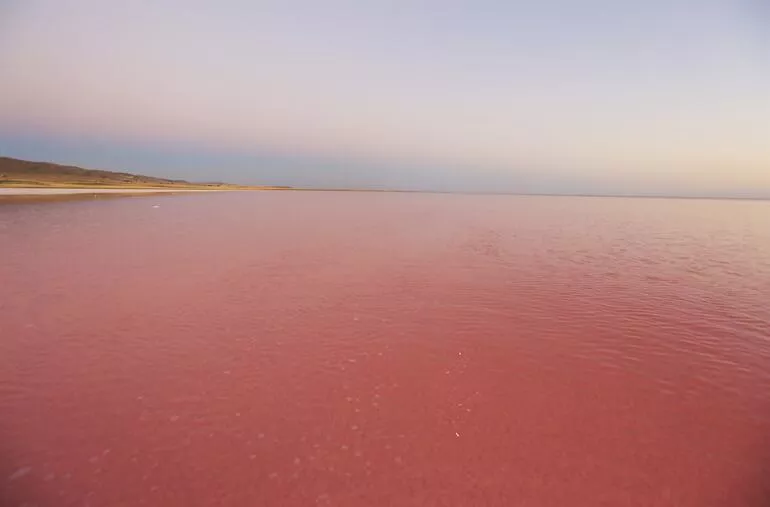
<point x="23" y="173"/>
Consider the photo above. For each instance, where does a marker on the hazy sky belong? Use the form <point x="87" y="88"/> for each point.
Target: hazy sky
<point x="621" y="96"/>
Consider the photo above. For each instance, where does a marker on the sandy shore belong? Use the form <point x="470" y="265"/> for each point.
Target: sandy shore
<point x="69" y="191"/>
<point x="35" y="195"/>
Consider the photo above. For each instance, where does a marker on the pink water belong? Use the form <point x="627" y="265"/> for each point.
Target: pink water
<point x="364" y="349"/>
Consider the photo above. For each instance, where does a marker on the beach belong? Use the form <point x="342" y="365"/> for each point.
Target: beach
<point x="35" y="195"/>
<point x="9" y="192"/>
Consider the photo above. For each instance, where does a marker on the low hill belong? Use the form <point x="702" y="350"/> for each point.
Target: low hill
<point x="23" y="173"/>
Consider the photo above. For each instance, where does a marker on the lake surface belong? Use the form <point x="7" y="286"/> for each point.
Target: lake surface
<point x="372" y="349"/>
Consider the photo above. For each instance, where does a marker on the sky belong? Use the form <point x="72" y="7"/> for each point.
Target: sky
<point x="661" y="97"/>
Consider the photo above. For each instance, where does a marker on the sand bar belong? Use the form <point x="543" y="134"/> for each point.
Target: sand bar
<point x="68" y="191"/>
<point x="37" y="195"/>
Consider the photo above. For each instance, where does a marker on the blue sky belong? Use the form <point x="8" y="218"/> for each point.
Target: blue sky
<point x="592" y="96"/>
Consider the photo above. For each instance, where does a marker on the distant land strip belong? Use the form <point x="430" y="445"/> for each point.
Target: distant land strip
<point x="15" y="173"/>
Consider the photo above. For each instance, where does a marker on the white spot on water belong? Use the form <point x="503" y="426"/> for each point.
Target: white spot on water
<point x="18" y="474"/>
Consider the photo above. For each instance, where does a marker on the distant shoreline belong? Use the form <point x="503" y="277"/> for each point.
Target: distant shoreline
<point x="70" y="191"/>
<point x="13" y="194"/>
<point x="34" y="195"/>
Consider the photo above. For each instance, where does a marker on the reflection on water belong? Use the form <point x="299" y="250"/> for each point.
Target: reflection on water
<point x="347" y="349"/>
